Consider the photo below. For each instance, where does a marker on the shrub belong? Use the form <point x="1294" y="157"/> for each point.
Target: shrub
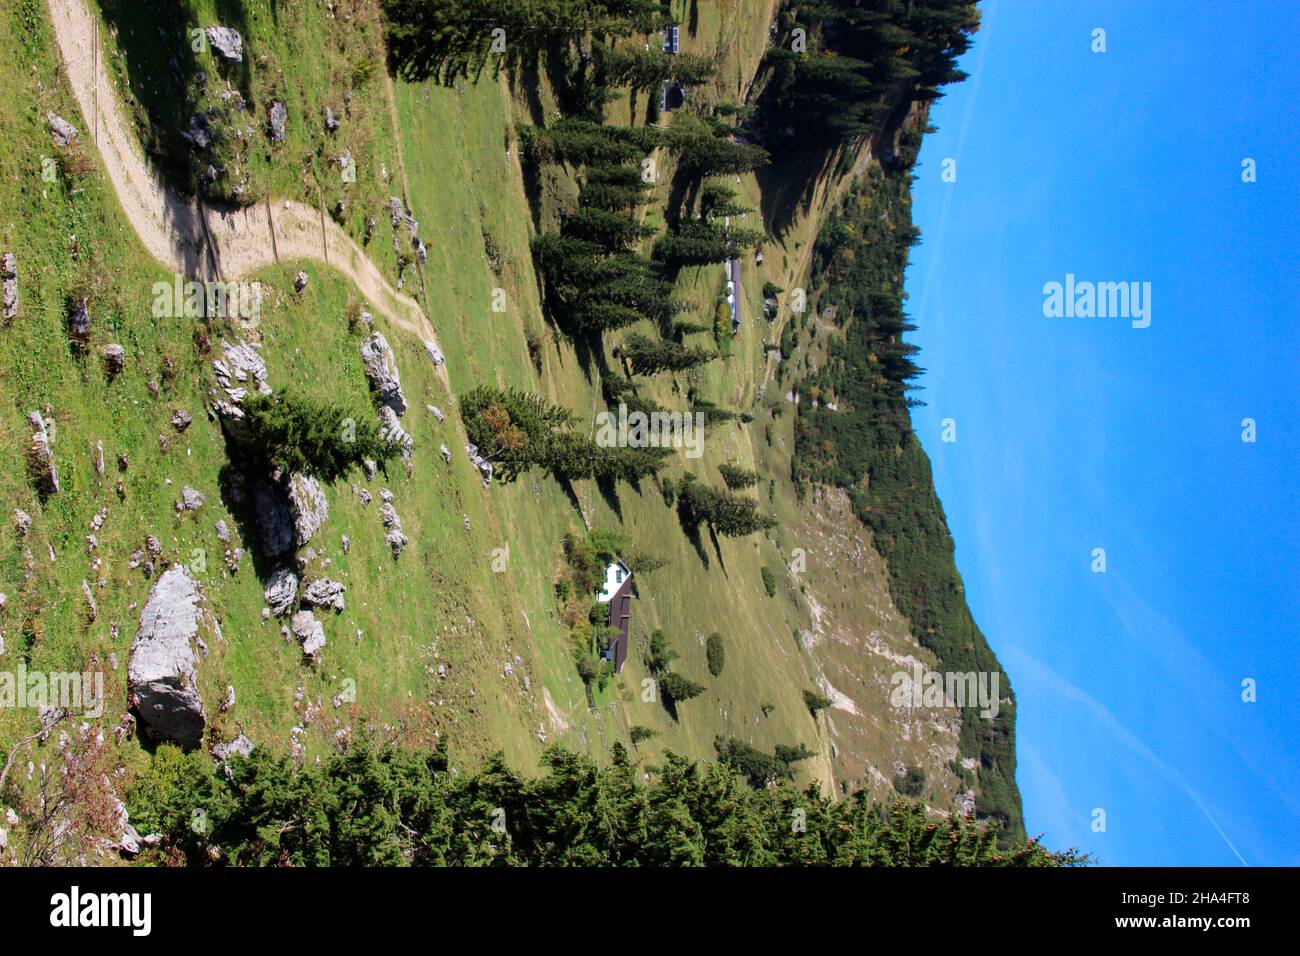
<point x="815" y="701"/>
<point x="912" y="783"/>
<point x="769" y="582"/>
<point x="640" y="733"/>
<point x="716" y="653"/>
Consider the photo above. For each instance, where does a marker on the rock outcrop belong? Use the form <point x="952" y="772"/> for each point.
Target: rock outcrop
<point x="310" y="634"/>
<point x="275" y="528"/>
<point x="381" y="371"/>
<point x="324" y="593"/>
<point x="309" y="505"/>
<point x="281" y="591"/>
<point x="162" y="675"/>
<point x="227" y="42"/>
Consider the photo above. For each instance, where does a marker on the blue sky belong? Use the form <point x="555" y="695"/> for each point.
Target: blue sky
<point x="1083" y="433"/>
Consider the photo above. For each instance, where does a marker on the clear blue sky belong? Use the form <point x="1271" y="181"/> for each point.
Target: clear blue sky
<point x="1077" y="433"/>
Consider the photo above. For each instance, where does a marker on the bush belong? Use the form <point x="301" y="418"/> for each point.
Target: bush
<point x="640" y="733"/>
<point x="912" y="783"/>
<point x="716" y="653"/>
<point x="661" y="655"/>
<point x="815" y="701"/>
<point x="769" y="582"/>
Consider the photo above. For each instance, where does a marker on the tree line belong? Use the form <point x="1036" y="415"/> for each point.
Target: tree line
<point x="371" y="805"/>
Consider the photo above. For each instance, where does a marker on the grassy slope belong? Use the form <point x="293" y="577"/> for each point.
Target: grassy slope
<point x="442" y="602"/>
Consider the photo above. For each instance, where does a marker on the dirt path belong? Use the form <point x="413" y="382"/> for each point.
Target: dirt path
<point x="192" y="238"/>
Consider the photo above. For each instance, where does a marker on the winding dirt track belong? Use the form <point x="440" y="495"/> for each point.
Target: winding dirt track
<point x="192" y="238"/>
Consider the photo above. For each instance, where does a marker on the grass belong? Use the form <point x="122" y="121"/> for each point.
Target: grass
<point x="442" y="603"/>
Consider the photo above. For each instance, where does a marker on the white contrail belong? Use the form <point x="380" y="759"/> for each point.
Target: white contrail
<point x="1103" y="714"/>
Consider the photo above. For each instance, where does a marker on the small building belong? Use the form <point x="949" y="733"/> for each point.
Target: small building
<point x="671" y="96"/>
<point x="616" y="594"/>
<point x="671" y="40"/>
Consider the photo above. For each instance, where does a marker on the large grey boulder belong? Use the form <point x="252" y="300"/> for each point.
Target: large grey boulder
<point x="281" y="591"/>
<point x="310" y="634"/>
<point x="324" y="593"/>
<point x="309" y="505"/>
<point x="227" y="42"/>
<point x="239" y="369"/>
<point x="162" y="675"/>
<point x="381" y="371"/>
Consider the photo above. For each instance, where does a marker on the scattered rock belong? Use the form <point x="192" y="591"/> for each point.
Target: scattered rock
<point x="114" y="360"/>
<point x="381" y="371"/>
<point x="223" y="531"/>
<point x="241" y="746"/>
<point x="64" y="133"/>
<point x="228" y="702"/>
<point x="435" y="353"/>
<point x="40" y="458"/>
<point x="364" y="497"/>
<point x="92" y="609"/>
<point x="331" y="122"/>
<point x="436" y="412"/>
<point x="446" y="453"/>
<point x="300" y="282"/>
<point x="191" y="500"/>
<point x="181" y="420"/>
<point x="199" y="134"/>
<point x="227" y="42"/>
<point x="324" y="593"/>
<point x="310" y="634"/>
<point x="370" y="468"/>
<point x="79" y="320"/>
<point x="162" y="674"/>
<point x="391" y="430"/>
<point x="279" y="116"/>
<point x="281" y="591"/>
<point x="99" y="457"/>
<point x="347" y="544"/>
<point x="397" y="541"/>
<point x="9" y="279"/>
<point x="482" y="464"/>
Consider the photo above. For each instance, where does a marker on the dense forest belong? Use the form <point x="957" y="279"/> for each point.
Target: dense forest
<point x="390" y="807"/>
